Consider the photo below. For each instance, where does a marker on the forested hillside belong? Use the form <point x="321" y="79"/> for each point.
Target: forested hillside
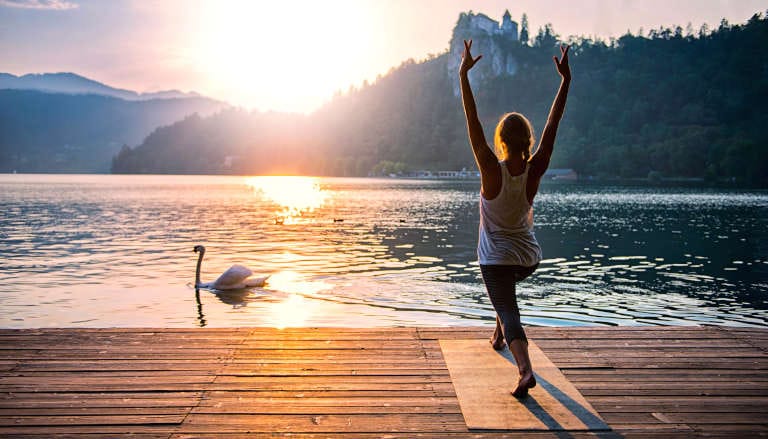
<point x="672" y="103"/>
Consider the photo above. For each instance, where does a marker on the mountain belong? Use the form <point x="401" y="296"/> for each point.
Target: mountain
<point x="669" y="104"/>
<point x="75" y="84"/>
<point x="68" y="123"/>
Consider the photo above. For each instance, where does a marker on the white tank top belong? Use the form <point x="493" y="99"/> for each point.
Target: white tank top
<point x="506" y="225"/>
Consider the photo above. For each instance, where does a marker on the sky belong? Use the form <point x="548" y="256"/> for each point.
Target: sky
<point x="290" y="55"/>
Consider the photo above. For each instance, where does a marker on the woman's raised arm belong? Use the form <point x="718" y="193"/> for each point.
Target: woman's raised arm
<point x="485" y="158"/>
<point x="540" y="160"/>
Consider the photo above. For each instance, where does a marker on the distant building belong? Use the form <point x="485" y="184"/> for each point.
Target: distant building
<point x="495" y="41"/>
<point x="463" y="174"/>
<point x="509" y="27"/>
<point x="485" y="24"/>
<point x="561" y="174"/>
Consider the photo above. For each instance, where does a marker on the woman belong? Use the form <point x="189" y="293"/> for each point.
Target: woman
<point x="507" y="248"/>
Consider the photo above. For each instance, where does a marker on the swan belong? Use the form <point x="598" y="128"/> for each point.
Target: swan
<point x="235" y="278"/>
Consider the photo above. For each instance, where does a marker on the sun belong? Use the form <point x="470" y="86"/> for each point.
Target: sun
<point x="285" y="56"/>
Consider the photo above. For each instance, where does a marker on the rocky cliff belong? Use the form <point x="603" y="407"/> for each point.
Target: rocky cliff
<point x="490" y="39"/>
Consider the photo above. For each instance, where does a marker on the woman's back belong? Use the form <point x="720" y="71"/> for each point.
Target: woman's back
<point x="506" y="224"/>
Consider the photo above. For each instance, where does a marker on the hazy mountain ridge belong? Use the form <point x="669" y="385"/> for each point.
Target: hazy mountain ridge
<point x="71" y="131"/>
<point x="71" y="83"/>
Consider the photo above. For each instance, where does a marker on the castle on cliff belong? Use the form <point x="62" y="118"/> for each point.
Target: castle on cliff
<point x="480" y="22"/>
<point x="495" y="41"/>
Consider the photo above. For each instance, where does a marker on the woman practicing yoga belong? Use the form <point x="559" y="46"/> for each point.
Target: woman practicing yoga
<point x="507" y="248"/>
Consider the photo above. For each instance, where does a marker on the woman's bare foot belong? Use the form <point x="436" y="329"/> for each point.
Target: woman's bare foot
<point x="527" y="381"/>
<point x="497" y="340"/>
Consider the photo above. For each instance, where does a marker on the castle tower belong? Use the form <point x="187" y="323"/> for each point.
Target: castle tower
<point x="508" y="27"/>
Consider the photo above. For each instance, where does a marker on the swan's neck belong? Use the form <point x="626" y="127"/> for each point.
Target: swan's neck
<point x="197" y="272"/>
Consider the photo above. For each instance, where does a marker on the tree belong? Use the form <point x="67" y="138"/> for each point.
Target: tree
<point x="546" y="37"/>
<point x="689" y="31"/>
<point x="524" y="29"/>
<point x="703" y="31"/>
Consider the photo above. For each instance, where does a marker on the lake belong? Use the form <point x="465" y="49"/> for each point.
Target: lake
<point x="113" y="250"/>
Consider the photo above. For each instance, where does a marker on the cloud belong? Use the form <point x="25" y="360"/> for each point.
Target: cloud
<point x="58" y="5"/>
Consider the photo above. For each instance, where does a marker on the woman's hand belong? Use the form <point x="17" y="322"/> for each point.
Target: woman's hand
<point x="467" y="62"/>
<point x="562" y="63"/>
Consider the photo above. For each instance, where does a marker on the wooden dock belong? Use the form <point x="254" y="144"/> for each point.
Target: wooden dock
<point x="364" y="383"/>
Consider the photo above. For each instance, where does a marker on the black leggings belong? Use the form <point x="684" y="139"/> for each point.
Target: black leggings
<point x="500" y="282"/>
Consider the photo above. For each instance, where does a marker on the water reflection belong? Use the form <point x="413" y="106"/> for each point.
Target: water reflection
<point x="291" y="312"/>
<point x="200" y="316"/>
<point x="293" y="282"/>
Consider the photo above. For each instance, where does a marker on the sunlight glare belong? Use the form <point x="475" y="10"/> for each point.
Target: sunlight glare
<point x="282" y="55"/>
<point x="295" y="195"/>
<point x="293" y="282"/>
<point x="296" y="309"/>
<point x="292" y="312"/>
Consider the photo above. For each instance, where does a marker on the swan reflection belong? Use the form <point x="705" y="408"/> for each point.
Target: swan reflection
<point x="295" y="195"/>
<point x="201" y="322"/>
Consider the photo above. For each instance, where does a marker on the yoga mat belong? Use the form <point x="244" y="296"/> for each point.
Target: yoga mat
<point x="484" y="379"/>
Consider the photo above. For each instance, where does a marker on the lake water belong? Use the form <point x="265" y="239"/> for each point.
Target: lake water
<point x="104" y="250"/>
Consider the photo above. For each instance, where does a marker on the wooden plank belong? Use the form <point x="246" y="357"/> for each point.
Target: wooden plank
<point x="331" y="369"/>
<point x="177" y="345"/>
<point x="692" y="407"/>
<point x="331" y="379"/>
<point x="338" y="409"/>
<point x="657" y="417"/>
<point x="343" y="360"/>
<point x="483" y="379"/>
<point x="420" y="435"/>
<point x="97" y="403"/>
<point x="143" y="419"/>
<point x="163" y="435"/>
<point x="93" y="411"/>
<point x="661" y="352"/>
<point x="44" y="396"/>
<point x="645" y="374"/>
<point x="603" y="345"/>
<point x="78" y="429"/>
<point x="103" y="373"/>
<point x="678" y="392"/>
<point x="443" y="391"/>
<point x="349" y="423"/>
<point x="231" y="401"/>
<point x="244" y="386"/>
<point x="53" y="380"/>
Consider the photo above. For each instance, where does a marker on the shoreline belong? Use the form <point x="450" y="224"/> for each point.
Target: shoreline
<point x="664" y="182"/>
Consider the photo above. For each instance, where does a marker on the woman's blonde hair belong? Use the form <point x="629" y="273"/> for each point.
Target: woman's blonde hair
<point x="514" y="137"/>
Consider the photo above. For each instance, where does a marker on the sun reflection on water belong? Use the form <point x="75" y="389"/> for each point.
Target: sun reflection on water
<point x="291" y="312"/>
<point x="293" y="282"/>
<point x="295" y="195"/>
<point x="298" y="307"/>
